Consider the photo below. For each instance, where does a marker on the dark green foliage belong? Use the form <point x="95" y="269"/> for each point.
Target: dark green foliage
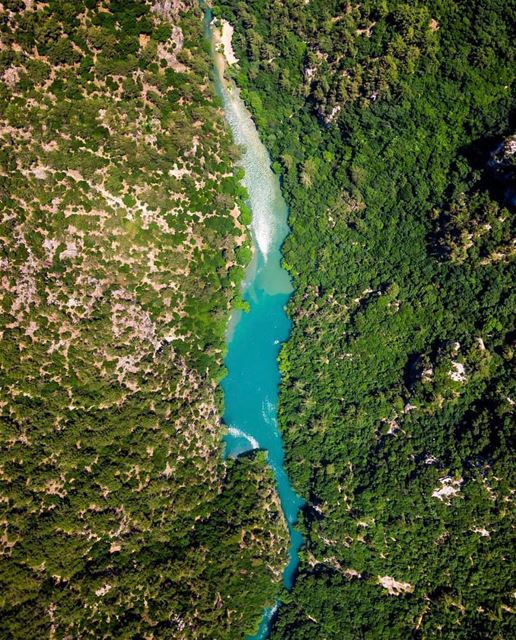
<point x="382" y="118"/>
<point x="162" y="34"/>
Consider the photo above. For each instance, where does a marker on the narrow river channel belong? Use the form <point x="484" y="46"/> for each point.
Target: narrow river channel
<point x="254" y="338"/>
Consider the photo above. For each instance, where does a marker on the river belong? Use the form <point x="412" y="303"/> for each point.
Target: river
<point x="254" y="338"/>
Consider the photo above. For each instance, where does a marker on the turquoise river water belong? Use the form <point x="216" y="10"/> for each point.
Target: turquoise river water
<point x="254" y="338"/>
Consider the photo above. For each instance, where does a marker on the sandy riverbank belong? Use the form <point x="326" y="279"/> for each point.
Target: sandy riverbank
<point x="223" y="37"/>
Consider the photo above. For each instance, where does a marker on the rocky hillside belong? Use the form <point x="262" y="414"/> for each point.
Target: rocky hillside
<point x="121" y="250"/>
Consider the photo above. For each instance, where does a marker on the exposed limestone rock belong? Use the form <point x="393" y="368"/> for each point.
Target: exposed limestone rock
<point x="394" y="587"/>
<point x="450" y="488"/>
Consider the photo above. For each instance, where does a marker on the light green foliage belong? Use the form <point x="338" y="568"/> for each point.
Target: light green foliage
<point x="120" y="261"/>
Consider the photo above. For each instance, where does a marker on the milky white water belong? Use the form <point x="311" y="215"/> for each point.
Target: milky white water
<point x="264" y="194"/>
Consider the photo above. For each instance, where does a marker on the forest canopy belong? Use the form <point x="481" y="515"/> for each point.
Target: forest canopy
<point x="391" y="126"/>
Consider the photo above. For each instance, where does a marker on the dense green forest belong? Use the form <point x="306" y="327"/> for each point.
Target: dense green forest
<point x="390" y="125"/>
<point x="122" y="248"/>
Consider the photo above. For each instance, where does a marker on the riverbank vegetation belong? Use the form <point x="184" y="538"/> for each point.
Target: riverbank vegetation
<point x="121" y="253"/>
<point x="390" y="125"/>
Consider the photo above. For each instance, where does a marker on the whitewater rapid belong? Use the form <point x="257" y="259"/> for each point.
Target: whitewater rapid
<point x="263" y="193"/>
<point x="238" y="433"/>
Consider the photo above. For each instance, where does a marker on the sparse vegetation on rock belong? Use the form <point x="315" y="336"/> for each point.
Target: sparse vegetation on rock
<point x="122" y="250"/>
